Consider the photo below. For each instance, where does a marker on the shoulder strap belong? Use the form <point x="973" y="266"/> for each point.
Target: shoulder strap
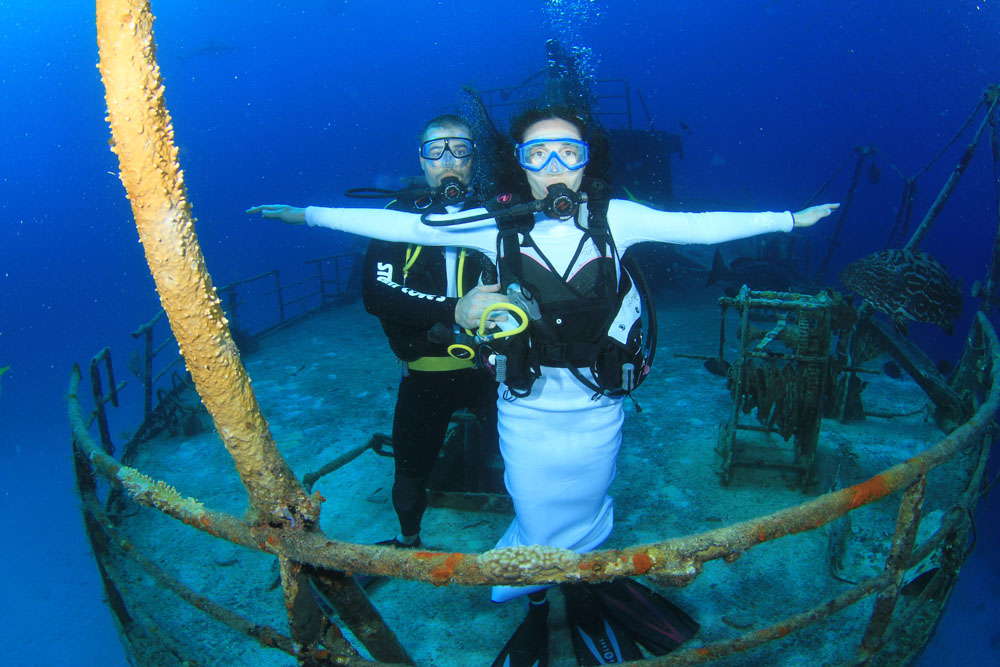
<point x="598" y="199"/>
<point x="509" y="227"/>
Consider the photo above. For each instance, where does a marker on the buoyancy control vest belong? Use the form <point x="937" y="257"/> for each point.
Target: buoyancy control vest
<point x="600" y="319"/>
<point x="423" y="271"/>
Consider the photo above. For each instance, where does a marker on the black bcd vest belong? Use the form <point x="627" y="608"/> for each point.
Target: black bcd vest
<point x="409" y="342"/>
<point x="583" y="323"/>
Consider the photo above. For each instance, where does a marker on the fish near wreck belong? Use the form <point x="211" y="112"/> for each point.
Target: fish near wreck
<point x="906" y="285"/>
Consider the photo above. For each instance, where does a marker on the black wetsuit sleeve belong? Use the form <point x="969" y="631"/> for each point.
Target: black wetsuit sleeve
<point x="385" y="296"/>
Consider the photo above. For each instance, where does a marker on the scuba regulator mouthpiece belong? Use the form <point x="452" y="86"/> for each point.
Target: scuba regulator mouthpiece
<point x="423" y="198"/>
<point x="561" y="203"/>
<point x="450" y="191"/>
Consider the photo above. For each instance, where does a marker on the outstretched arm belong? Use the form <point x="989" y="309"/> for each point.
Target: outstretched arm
<point x="388" y="225"/>
<point x="633" y="223"/>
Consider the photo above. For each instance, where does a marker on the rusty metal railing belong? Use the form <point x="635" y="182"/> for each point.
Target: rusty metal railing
<point x="328" y="285"/>
<point x="677" y="561"/>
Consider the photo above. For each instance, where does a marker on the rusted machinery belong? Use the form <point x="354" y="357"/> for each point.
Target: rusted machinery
<point x="785" y="373"/>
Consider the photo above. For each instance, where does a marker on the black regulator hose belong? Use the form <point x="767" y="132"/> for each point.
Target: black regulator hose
<point x="450" y="192"/>
<point x="560" y="203"/>
<point x="371" y="193"/>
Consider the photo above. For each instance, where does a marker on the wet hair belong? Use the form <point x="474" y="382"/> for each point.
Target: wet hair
<point x="520" y="125"/>
<point x="445" y="120"/>
<point x="599" y="164"/>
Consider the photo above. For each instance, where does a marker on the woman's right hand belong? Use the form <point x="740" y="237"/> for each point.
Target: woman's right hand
<point x="290" y="215"/>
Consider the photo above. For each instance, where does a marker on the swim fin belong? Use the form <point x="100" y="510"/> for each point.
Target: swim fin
<point x="598" y="639"/>
<point x="529" y="645"/>
<point x="648" y="617"/>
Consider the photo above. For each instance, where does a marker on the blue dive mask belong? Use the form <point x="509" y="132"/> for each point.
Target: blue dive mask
<point x="538" y="154"/>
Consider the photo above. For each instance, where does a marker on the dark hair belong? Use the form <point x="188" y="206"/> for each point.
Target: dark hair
<point x="445" y="120"/>
<point x="599" y="164"/>
<point x="521" y="123"/>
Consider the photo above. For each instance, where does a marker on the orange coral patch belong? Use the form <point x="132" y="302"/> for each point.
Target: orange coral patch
<point x="272" y="540"/>
<point x="642" y="563"/>
<point x="442" y="573"/>
<point x="866" y="492"/>
<point x="423" y="555"/>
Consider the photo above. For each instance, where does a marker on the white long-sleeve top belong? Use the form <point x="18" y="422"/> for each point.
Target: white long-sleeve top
<point x="629" y="223"/>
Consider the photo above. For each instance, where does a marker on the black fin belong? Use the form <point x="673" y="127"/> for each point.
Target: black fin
<point x="649" y="618"/>
<point x="529" y="645"/>
<point x="598" y="639"/>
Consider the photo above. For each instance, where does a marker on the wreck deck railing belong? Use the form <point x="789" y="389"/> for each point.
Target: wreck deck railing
<point x="333" y="282"/>
<point x="677" y="561"/>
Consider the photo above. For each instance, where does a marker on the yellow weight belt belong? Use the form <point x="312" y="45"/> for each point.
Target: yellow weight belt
<point x="439" y="364"/>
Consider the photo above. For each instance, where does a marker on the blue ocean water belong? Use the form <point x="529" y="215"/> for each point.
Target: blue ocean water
<point x="296" y="101"/>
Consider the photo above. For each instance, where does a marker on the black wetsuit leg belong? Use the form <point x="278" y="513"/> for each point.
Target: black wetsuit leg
<point x="418" y="429"/>
<point x="484" y="466"/>
<point x="424" y="406"/>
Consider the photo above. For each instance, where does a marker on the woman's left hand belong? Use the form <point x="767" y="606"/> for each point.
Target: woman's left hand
<point x="810" y="216"/>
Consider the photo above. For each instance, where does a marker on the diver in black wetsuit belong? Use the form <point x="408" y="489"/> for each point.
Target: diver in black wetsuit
<point x="412" y="289"/>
